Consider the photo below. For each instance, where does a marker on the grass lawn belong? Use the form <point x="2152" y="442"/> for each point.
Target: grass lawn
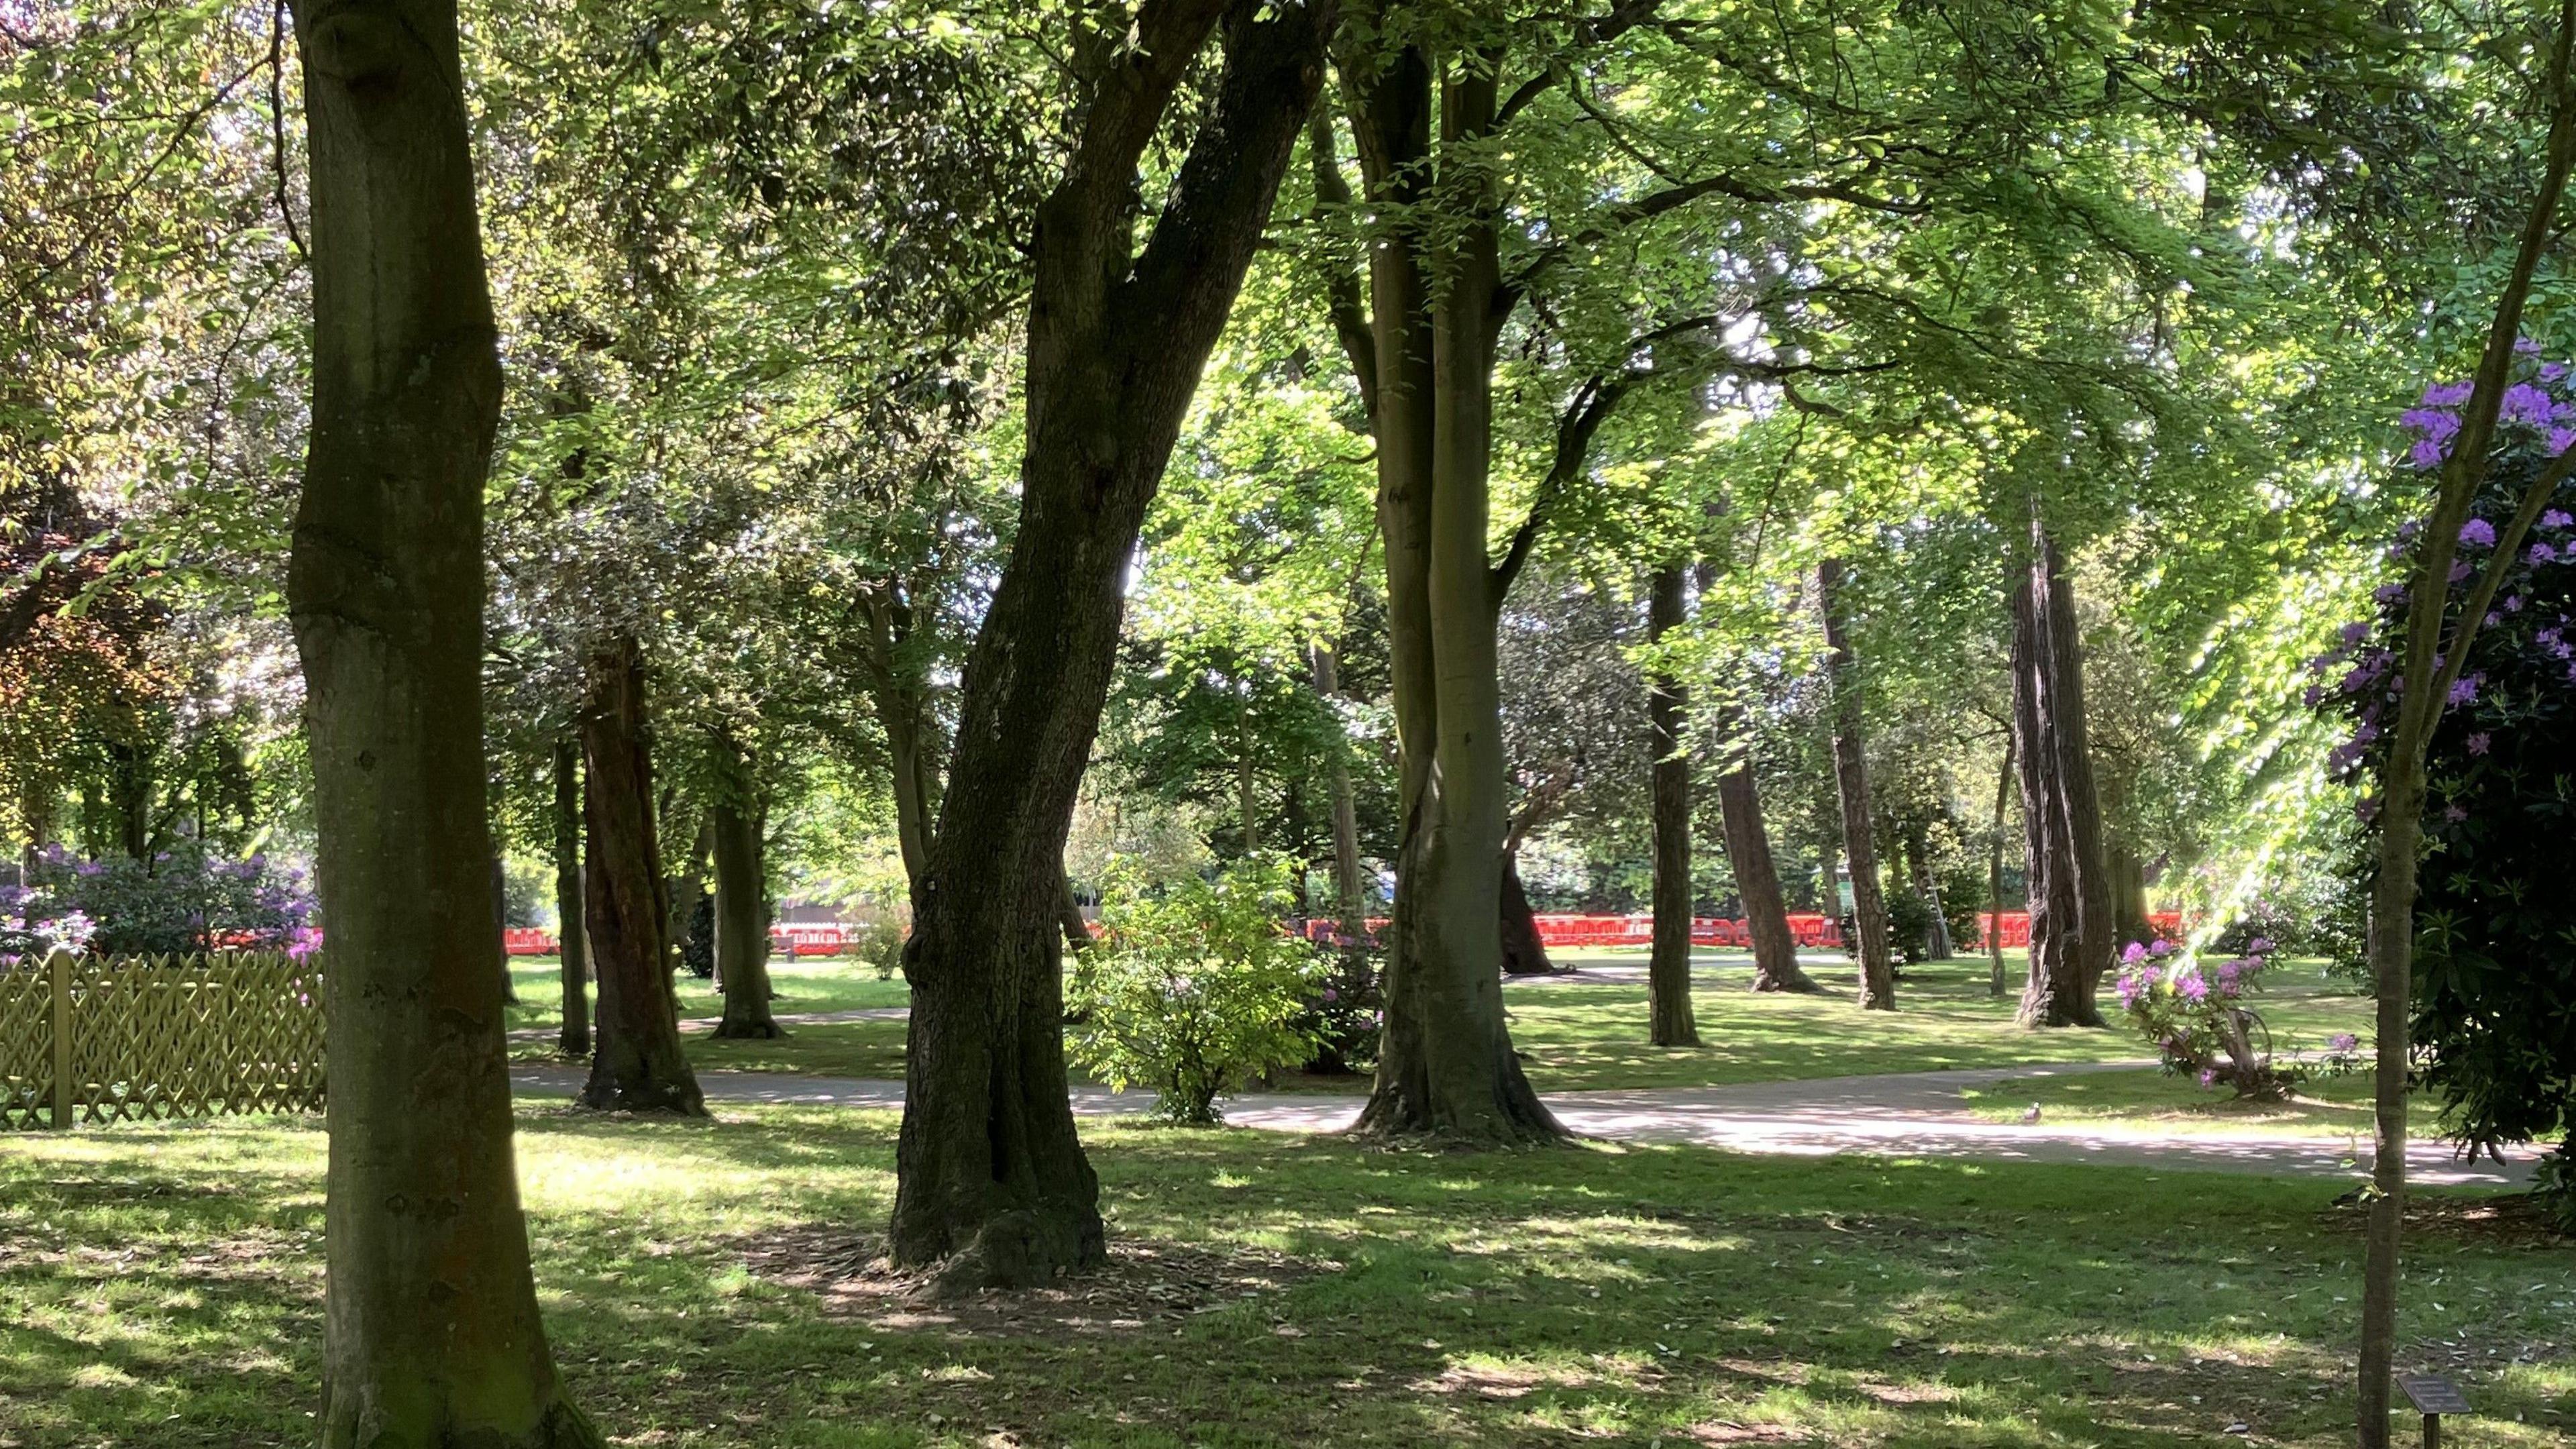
<point x="1591" y="1035"/>
<point x="819" y="983"/>
<point x="710" y="1286"/>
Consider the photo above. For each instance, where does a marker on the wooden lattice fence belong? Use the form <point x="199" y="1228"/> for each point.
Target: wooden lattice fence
<point x="134" y="1038"/>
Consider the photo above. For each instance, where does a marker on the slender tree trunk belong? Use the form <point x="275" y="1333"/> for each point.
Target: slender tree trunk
<point x="575" y="1038"/>
<point x="688" y="886"/>
<point x="1350" y="900"/>
<point x="2129" y="895"/>
<point x="1077" y="931"/>
<point x="431" y="1334"/>
<point x="638" y="1065"/>
<point x="1995" y="872"/>
<point x="2071" y="931"/>
<point x="1918" y="864"/>
<point x="991" y="1177"/>
<point x="1851" y="779"/>
<point x="904" y="716"/>
<point x="1445" y="1061"/>
<point x="734" y="822"/>
<point x="1524" y="949"/>
<point x="1670" y="1021"/>
<point x="1757" y="879"/>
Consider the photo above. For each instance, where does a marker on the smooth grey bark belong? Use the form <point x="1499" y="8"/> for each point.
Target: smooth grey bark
<point x="431" y="1336"/>
<point x="2072" y="931"/>
<point x="574" y="1038"/>
<point x="1669" y="1018"/>
<point x="1851" y="781"/>
<point x="735" y="820"/>
<point x="637" y="1064"/>
<point x="1425" y="357"/>
<point x="991" y="1180"/>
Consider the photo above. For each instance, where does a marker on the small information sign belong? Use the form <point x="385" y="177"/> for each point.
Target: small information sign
<point x="2433" y="1394"/>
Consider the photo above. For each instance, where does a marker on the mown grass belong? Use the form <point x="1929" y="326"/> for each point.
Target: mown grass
<point x="159" y="1289"/>
<point x="814" y="984"/>
<point x="1591" y="1035"/>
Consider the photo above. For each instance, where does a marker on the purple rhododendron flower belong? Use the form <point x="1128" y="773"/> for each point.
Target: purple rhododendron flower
<point x="2426" y="454"/>
<point x="2541" y="553"/>
<point x="2556" y="518"/>
<point x="2136" y="952"/>
<point x="2478" y="533"/>
<point x="2161" y="948"/>
<point x="2312" y="696"/>
<point x="2455" y="815"/>
<point x="2389" y="593"/>
<point x="2209" y="1076"/>
<point x="2366" y="810"/>
<point x="2342" y="1042"/>
<point x="2480" y="742"/>
<point x="2459" y="571"/>
<point x="2434" y="423"/>
<point x="2560" y="440"/>
<point x="2446" y="394"/>
<point x="2259" y="946"/>
<point x="2526" y="404"/>
<point x="2356" y="631"/>
<point x="2463" y="691"/>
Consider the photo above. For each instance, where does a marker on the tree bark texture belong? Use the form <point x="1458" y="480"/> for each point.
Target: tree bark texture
<point x="1524" y="950"/>
<point x="1851" y="781"/>
<point x="637" y="1065"/>
<point x="1445" y="1063"/>
<point x="1757" y="882"/>
<point x="1669" y="1019"/>
<point x="734" y="825"/>
<point x="575" y="1036"/>
<point x="903" y="713"/>
<point x="2071" y="928"/>
<point x="991" y="1180"/>
<point x="431" y="1336"/>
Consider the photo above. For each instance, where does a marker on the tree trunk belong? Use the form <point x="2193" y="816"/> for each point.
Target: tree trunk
<point x="1918" y="864"/>
<point x="734" y="821"/>
<point x="904" y="716"/>
<point x="501" y="929"/>
<point x="686" y="887"/>
<point x="990" y="1175"/>
<point x="638" y="1065"/>
<point x="1851" y="779"/>
<point x="2071" y="929"/>
<point x="1445" y="1062"/>
<point x="575" y="1037"/>
<point x="1757" y="880"/>
<point x="1669" y="1020"/>
<point x="1350" y="901"/>
<point x="1524" y="950"/>
<point x="2129" y="895"/>
<point x="1247" y="778"/>
<point x="1995" y="873"/>
<point x="431" y="1334"/>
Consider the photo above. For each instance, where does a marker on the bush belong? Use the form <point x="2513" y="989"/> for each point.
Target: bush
<point x="1343" y="1014"/>
<point x="2202" y="1027"/>
<point x="1909" y="926"/>
<point x="1195" y="986"/>
<point x="880" y="944"/>
<point x="183" y="900"/>
<point x="2495" y="946"/>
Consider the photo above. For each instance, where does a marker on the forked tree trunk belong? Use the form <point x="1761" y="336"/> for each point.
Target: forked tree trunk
<point x="2071" y="929"/>
<point x="1445" y="1061"/>
<point x="1669" y="1019"/>
<point x="734" y="821"/>
<point x="1757" y="881"/>
<point x="1851" y="782"/>
<point x="430" y="1327"/>
<point x="638" y="1065"/>
<point x="574" y="1039"/>
<point x="1524" y="949"/>
<point x="1918" y="864"/>
<point x="991" y="1179"/>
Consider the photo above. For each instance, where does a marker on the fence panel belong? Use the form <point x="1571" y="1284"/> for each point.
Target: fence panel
<point x="107" y="1039"/>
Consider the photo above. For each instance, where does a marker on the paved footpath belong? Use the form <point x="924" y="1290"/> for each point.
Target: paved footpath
<point x="1904" y="1114"/>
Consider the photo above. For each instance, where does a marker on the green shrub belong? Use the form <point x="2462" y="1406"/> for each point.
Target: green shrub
<point x="1195" y="986"/>
<point x="880" y="944"/>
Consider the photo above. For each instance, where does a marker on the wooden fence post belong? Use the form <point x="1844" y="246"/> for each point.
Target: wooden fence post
<point x="59" y="964"/>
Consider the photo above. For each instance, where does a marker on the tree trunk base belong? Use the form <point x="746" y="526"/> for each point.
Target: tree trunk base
<point x="563" y="1426"/>
<point x="747" y="1031"/>
<point x="1793" y="980"/>
<point x="664" y="1099"/>
<point x="1021" y="1248"/>
<point x="1512" y="1116"/>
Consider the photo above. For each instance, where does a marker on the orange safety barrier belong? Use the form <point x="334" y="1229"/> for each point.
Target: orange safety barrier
<point x="527" y="941"/>
<point x="2014" y="927"/>
<point x="809" y="939"/>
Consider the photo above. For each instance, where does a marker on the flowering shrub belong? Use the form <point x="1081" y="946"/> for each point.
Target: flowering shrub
<point x="2495" y="950"/>
<point x="188" y="900"/>
<point x="2199" y="1020"/>
<point x="1343" y="1012"/>
<point x="1195" y="986"/>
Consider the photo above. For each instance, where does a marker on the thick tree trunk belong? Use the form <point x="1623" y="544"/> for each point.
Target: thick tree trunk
<point x="2071" y="931"/>
<point x="1524" y="950"/>
<point x="575" y="1036"/>
<point x="1350" y="900"/>
<point x="431" y="1334"/>
<point x="1851" y="780"/>
<point x="1669" y="1020"/>
<point x="1757" y="881"/>
<point x="1445" y="1061"/>
<point x="990" y="1175"/>
<point x="638" y="1065"/>
<point x="1995" y="873"/>
<point x="734" y="821"/>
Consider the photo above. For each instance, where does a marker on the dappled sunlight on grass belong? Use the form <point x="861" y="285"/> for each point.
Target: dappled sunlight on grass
<point x="705" y="1286"/>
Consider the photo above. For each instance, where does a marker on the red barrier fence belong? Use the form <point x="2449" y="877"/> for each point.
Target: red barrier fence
<point x="528" y="943"/>
<point x="1810" y="929"/>
<point x="809" y="940"/>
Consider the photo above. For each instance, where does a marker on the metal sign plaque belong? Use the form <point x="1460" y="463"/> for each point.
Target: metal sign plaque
<point x="2433" y="1394"/>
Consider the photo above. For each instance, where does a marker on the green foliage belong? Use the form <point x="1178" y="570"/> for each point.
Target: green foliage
<point x="879" y="943"/>
<point x="1195" y="986"/>
<point x="1909" y="924"/>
